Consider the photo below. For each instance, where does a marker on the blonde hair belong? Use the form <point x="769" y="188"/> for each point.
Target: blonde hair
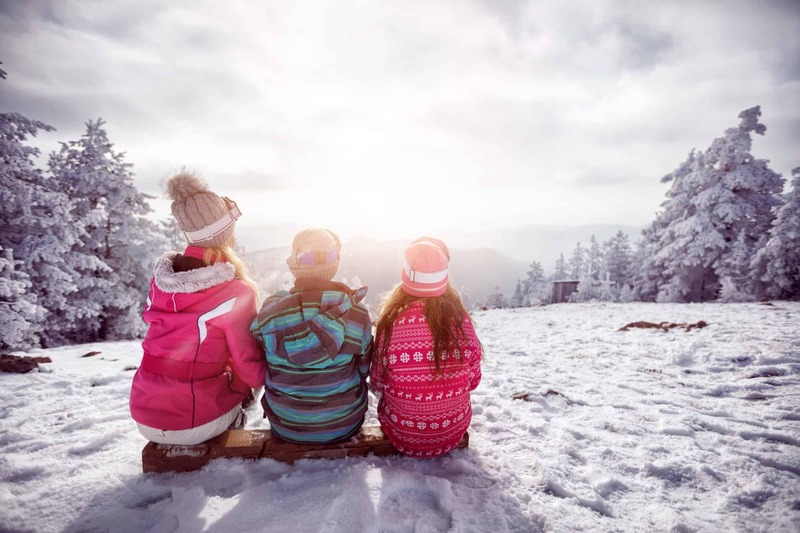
<point x="214" y="254"/>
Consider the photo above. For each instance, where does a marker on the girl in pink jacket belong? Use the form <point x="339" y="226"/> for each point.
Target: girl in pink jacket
<point x="428" y="357"/>
<point x="200" y="361"/>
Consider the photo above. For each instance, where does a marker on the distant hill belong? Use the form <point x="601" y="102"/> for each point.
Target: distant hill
<point x="523" y="243"/>
<point x="265" y="237"/>
<point x="376" y="264"/>
<point x="481" y="262"/>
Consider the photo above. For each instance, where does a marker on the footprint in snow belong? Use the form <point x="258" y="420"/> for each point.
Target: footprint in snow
<point x="183" y="514"/>
<point x="95" y="444"/>
<point x="412" y="509"/>
<point x="22" y="474"/>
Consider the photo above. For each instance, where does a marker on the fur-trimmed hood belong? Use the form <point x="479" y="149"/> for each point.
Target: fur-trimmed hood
<point x="200" y="360"/>
<point x="200" y="279"/>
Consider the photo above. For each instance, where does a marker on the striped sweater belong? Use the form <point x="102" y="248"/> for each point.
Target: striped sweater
<point x="318" y="343"/>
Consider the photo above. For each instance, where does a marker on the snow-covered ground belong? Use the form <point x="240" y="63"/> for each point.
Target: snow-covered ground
<point x="620" y="431"/>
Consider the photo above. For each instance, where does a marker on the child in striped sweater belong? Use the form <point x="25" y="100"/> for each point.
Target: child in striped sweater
<point x="318" y="343"/>
<point x="428" y="357"/>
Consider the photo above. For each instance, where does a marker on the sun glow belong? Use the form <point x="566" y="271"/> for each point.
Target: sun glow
<point x="388" y="214"/>
<point x="382" y="214"/>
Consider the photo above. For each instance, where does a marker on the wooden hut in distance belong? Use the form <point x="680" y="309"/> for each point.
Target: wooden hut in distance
<point x="562" y="290"/>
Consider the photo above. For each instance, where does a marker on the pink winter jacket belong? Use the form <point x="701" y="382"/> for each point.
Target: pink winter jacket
<point x="422" y="414"/>
<point x="200" y="359"/>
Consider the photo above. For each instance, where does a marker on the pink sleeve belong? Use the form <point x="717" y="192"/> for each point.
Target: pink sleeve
<point x="248" y="361"/>
<point x="475" y="359"/>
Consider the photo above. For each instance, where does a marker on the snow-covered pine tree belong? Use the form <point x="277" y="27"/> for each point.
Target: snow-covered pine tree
<point x="172" y="237"/>
<point x="537" y="290"/>
<point x="577" y="263"/>
<point x="753" y="191"/>
<point x="518" y="299"/>
<point x="593" y="285"/>
<point x="594" y="259"/>
<point x="588" y="289"/>
<point x="617" y="258"/>
<point x="18" y="190"/>
<point x="20" y="316"/>
<point x="649" y="264"/>
<point x="777" y="264"/>
<point x="495" y="300"/>
<point x="735" y="284"/>
<point x="112" y="210"/>
<point x="36" y="229"/>
<point x="560" y="270"/>
<point x="626" y="294"/>
<point x="52" y="259"/>
<point x="617" y="263"/>
<point x="648" y="275"/>
<point x="689" y="244"/>
<point x="715" y="196"/>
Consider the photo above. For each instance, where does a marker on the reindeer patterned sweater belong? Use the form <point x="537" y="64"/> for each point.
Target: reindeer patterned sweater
<point x="424" y="415"/>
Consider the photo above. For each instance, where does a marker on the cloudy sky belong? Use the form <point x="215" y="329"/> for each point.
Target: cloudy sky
<point x="390" y="118"/>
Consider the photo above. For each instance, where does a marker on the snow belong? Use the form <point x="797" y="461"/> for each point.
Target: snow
<point x="641" y="430"/>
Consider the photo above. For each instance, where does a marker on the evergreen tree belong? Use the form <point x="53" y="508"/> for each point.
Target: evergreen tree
<point x="650" y="265"/>
<point x="518" y="299"/>
<point x="537" y="290"/>
<point x="20" y="316"/>
<point x="173" y="239"/>
<point x="20" y="181"/>
<point x="588" y="289"/>
<point x="495" y="300"/>
<point x="36" y="234"/>
<point x="577" y="263"/>
<point x="560" y="271"/>
<point x="591" y="287"/>
<point x="626" y="295"/>
<point x="735" y="283"/>
<point x="617" y="259"/>
<point x="109" y="207"/>
<point x="594" y="259"/>
<point x="716" y="196"/>
<point x="648" y="275"/>
<point x="777" y="263"/>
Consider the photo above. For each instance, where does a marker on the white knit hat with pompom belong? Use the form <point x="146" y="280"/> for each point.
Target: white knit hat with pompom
<point x="205" y="218"/>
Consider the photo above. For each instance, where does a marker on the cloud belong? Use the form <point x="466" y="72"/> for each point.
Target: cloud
<point x="445" y="94"/>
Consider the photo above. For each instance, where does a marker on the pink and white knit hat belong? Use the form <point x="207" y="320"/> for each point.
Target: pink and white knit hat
<point x="424" y="273"/>
<point x="205" y="219"/>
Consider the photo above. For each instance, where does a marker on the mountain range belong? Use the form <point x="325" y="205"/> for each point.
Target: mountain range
<point x="481" y="262"/>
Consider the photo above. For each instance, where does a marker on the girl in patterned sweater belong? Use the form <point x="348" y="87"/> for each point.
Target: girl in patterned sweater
<point x="427" y="358"/>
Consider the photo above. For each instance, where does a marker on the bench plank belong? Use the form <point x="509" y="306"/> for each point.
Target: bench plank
<point x="263" y="444"/>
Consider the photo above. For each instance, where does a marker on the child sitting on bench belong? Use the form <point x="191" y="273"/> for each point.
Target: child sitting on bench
<point x="427" y="357"/>
<point x="318" y="343"/>
<point x="200" y="361"/>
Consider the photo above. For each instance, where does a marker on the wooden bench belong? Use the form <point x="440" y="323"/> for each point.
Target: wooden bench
<point x="262" y="444"/>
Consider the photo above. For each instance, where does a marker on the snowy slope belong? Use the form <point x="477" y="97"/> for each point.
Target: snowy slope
<point x="621" y="431"/>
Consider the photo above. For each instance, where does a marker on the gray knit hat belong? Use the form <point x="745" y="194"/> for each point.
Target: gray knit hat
<point x="205" y="218"/>
<point x="315" y="254"/>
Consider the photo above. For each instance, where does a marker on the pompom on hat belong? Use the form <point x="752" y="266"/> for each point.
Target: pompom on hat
<point x="205" y="218"/>
<point x="425" y="272"/>
<point x="315" y="254"/>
